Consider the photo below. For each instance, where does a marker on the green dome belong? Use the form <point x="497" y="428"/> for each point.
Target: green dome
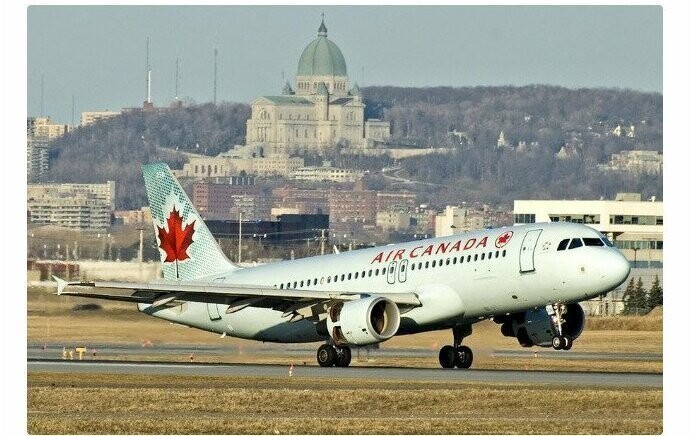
<point x="322" y="58"/>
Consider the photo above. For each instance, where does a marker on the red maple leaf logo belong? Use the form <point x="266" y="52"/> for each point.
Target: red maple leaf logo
<point x="175" y="241"/>
<point x="503" y="239"/>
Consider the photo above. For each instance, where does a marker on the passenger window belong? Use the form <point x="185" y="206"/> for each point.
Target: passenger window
<point x="462" y="259"/>
<point x="356" y="274"/>
<point x="433" y="263"/>
<point x="504" y="253"/>
<point x="308" y="282"/>
<point x="426" y="265"/>
<point x="562" y="245"/>
<point x="402" y="268"/>
<point x="349" y="276"/>
<point x="413" y="267"/>
<point x="328" y="280"/>
<point x="469" y="258"/>
<point x="498" y="253"/>
<point x="593" y="242"/>
<point x="369" y="273"/>
<point x="288" y="285"/>
<point x="475" y="257"/>
<point x="301" y="284"/>
<point x="335" y="278"/>
<point x="342" y="277"/>
<point x="455" y="260"/>
<point x="294" y="285"/>
<point x="281" y="286"/>
<point x="482" y="256"/>
<point x="575" y="243"/>
<point x="490" y="253"/>
<point x="377" y="271"/>
<point x="448" y="261"/>
<point x="419" y="266"/>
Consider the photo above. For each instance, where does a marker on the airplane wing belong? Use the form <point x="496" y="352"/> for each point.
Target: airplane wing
<point x="237" y="297"/>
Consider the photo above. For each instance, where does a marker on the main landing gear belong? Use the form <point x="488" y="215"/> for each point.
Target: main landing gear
<point x="456" y="355"/>
<point x="560" y="341"/>
<point x="331" y="355"/>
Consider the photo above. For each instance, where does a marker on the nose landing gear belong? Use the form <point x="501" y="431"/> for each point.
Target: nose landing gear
<point x="560" y="341"/>
<point x="456" y="355"/>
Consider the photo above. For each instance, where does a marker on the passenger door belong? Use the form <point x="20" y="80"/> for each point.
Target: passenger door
<point x="527" y="250"/>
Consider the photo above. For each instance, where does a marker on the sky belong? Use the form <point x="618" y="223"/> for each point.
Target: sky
<point x="97" y="54"/>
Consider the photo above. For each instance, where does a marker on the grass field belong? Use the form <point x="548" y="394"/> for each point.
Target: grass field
<point x="95" y="404"/>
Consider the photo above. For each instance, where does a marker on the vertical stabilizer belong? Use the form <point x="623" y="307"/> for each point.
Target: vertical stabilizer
<point x="187" y="248"/>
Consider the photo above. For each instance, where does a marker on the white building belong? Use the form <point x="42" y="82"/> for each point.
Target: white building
<point x="326" y="174"/>
<point x="636" y="227"/>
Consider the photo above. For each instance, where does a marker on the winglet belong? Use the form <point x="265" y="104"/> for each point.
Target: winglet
<point x="61" y="284"/>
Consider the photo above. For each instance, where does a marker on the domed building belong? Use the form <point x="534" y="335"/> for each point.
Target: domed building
<point x="320" y="112"/>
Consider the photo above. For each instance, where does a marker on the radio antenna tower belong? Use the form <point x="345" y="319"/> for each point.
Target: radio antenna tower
<point x="215" y="75"/>
<point x="41" y="95"/>
<point x="177" y="78"/>
<point x="148" y="73"/>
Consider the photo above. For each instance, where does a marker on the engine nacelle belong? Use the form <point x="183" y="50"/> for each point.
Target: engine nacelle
<point x="362" y="322"/>
<point x="538" y="326"/>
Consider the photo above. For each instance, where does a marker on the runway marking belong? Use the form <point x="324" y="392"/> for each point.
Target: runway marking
<point x="383" y="373"/>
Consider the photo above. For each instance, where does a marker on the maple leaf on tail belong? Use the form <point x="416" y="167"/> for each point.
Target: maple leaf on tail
<point x="175" y="241"/>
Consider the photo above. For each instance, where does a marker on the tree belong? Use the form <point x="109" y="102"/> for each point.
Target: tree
<point x="656" y="294"/>
<point x="635" y="298"/>
<point x="629" y="296"/>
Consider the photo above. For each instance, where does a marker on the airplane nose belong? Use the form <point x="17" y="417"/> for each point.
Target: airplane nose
<point x="617" y="268"/>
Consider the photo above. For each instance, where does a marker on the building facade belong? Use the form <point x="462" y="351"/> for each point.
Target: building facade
<point x="73" y="205"/>
<point x="319" y="113"/>
<point x="91" y="117"/>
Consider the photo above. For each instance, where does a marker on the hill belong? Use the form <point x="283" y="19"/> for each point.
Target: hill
<point x="544" y="119"/>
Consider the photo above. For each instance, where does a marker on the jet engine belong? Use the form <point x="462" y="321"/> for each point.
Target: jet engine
<point x="362" y="322"/>
<point x="538" y="326"/>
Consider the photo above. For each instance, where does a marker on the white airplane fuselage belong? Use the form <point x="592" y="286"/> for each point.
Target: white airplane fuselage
<point x="503" y="275"/>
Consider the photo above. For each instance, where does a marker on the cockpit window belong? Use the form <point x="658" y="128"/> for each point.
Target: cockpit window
<point x="563" y="245"/>
<point x="606" y="241"/>
<point x="575" y="243"/>
<point x="593" y="242"/>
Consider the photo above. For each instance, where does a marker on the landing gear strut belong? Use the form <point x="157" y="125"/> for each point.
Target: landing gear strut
<point x="331" y="355"/>
<point x="456" y="355"/>
<point x="560" y="341"/>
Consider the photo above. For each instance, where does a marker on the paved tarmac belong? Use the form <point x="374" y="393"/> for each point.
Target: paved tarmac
<point x="106" y="350"/>
<point x="378" y="373"/>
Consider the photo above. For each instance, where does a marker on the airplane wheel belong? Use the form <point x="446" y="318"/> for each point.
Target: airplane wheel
<point x="568" y="342"/>
<point x="446" y="357"/>
<point x="463" y="357"/>
<point x="558" y="342"/>
<point x="326" y="355"/>
<point x="344" y="357"/>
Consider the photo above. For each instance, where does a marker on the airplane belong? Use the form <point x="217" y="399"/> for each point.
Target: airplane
<point x="527" y="278"/>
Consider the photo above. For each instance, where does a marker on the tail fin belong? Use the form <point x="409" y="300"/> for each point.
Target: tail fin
<point x="187" y="248"/>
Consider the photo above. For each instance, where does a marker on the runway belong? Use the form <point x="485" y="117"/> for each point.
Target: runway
<point x="374" y="373"/>
<point x="112" y="350"/>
